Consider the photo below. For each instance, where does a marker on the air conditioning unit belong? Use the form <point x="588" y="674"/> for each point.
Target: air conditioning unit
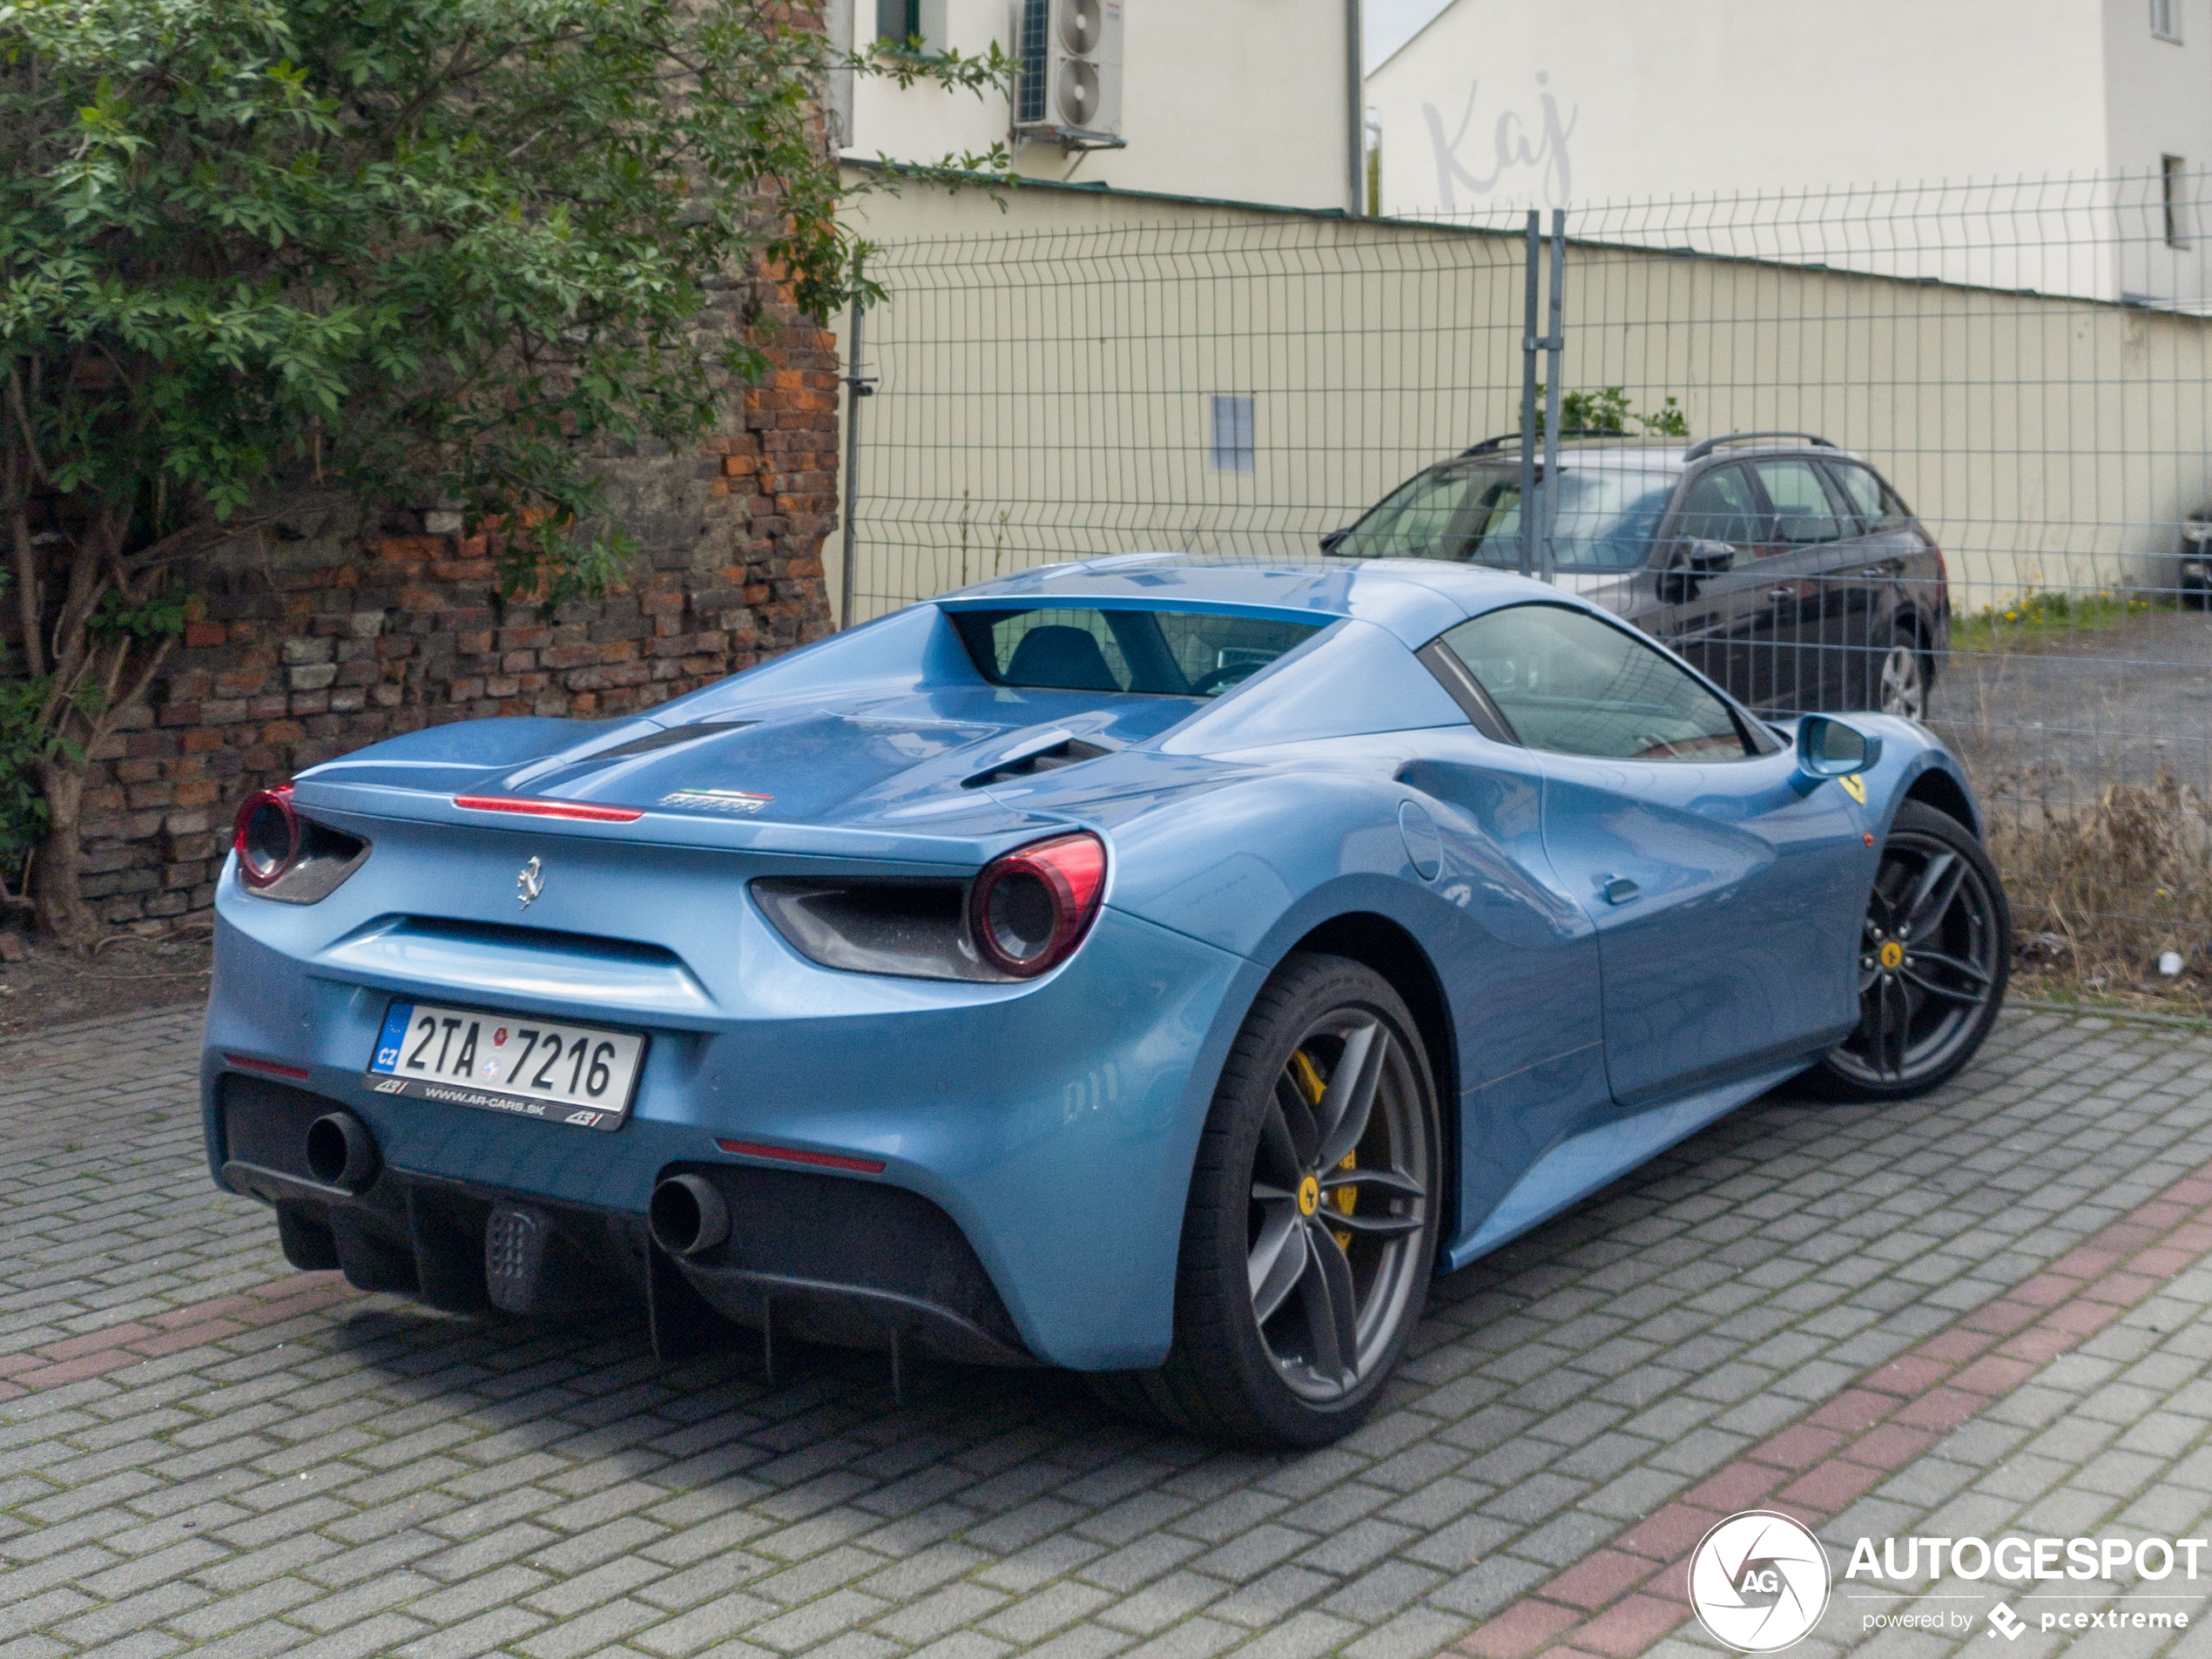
<point x="1069" y="91"/>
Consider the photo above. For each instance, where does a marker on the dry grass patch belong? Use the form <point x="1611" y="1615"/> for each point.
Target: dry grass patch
<point x="2101" y="893"/>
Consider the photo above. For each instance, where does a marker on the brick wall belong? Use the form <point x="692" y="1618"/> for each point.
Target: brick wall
<point x="317" y="634"/>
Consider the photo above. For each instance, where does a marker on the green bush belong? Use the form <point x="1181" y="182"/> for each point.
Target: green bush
<point x="420" y="249"/>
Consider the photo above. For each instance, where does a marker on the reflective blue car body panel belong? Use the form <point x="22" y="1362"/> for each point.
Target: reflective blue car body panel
<point x="1338" y="793"/>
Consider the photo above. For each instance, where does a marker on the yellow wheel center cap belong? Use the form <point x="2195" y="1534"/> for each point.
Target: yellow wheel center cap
<point x="1309" y="1195"/>
<point x="1893" y="953"/>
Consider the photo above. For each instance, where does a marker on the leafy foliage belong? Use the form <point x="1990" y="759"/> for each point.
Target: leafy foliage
<point x="1609" y="412"/>
<point x="414" y="241"/>
<point x="423" y="249"/>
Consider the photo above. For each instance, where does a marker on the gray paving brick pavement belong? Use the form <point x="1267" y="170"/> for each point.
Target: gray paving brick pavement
<point x="376" y="1478"/>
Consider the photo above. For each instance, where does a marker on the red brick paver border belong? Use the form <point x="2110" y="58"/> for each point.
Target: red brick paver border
<point x="100" y="1351"/>
<point x="1629" y="1595"/>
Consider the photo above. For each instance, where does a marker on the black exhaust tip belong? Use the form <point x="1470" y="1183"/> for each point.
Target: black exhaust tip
<point x="341" y="1152"/>
<point x="687" y="1215"/>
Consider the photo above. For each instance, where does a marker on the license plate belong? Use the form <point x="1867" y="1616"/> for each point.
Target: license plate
<point x="565" y="1074"/>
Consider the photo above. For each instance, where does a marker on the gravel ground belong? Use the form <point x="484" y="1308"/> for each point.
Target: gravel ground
<point x="2065" y="716"/>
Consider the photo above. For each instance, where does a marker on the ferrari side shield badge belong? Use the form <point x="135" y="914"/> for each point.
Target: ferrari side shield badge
<point x="1855" y="786"/>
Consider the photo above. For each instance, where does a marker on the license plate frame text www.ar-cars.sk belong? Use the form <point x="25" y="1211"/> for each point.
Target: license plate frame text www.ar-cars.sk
<point x="500" y="1063"/>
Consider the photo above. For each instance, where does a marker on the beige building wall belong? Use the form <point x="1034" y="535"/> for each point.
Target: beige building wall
<point x="1048" y="370"/>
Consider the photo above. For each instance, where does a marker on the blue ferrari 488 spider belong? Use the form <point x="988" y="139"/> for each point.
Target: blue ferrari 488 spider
<point x="1154" y="967"/>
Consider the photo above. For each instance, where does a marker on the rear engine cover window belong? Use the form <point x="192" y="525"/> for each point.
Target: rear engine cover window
<point x="1576" y="685"/>
<point x="1155" y="653"/>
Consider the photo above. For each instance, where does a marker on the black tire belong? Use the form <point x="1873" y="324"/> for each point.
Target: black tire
<point x="1936" y="951"/>
<point x="1326" y="1039"/>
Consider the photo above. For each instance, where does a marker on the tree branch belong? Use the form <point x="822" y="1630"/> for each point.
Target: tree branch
<point x="17" y="407"/>
<point x="25" y="558"/>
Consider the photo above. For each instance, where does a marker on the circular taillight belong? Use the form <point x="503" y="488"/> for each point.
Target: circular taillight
<point x="1031" y="907"/>
<point x="266" y="836"/>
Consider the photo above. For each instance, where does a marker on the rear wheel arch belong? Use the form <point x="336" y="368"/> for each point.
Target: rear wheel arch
<point x="1378" y="942"/>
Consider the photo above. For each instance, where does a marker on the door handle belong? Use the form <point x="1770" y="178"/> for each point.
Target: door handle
<point x="1619" y="889"/>
<point x="1781" y="596"/>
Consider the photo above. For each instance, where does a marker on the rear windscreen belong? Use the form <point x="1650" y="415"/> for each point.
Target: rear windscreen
<point x="1157" y="653"/>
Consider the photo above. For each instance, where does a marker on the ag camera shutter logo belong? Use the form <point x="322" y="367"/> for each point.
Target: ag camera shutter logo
<point x="1758" y="1581"/>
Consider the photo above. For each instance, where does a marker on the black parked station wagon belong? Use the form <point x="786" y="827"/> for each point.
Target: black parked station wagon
<point x="1781" y="566"/>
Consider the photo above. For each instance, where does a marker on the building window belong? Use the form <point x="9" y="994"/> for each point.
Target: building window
<point x="898" y="21"/>
<point x="2164" y="21"/>
<point x="1029" y="90"/>
<point x="2174" y="195"/>
<point x="1232" y="448"/>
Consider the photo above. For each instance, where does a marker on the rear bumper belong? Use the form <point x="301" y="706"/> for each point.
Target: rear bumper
<point x="1051" y="1126"/>
<point x="829" y="1260"/>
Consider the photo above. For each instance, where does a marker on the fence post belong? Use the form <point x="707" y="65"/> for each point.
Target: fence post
<point x="1554" y="343"/>
<point x="1528" y="344"/>
<point x="857" y="385"/>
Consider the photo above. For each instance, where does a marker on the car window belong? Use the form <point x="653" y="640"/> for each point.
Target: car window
<point x="1863" y="490"/>
<point x="1426" y="517"/>
<point x="1605" y="519"/>
<point x="1804" y="514"/>
<point x="1576" y="685"/>
<point x="1722" y="507"/>
<point x="1874" y="502"/>
<point x="1896" y="516"/>
<point x="1160" y="653"/>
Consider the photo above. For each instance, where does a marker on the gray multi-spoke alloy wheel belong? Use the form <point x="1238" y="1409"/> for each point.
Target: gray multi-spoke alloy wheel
<point x="1934" y="951"/>
<point x="1312" y="1226"/>
<point x="1901" y="685"/>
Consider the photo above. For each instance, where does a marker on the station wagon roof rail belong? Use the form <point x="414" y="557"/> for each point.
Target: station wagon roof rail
<point x="1569" y="435"/>
<point x="1704" y="447"/>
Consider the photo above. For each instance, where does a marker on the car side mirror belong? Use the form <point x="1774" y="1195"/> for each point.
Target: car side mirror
<point x="1693" y="562"/>
<point x="1334" y="539"/>
<point x="1828" y="748"/>
<point x="1702" y="558"/>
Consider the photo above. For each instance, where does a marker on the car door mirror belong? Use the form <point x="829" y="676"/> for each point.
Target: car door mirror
<point x="1828" y="748"/>
<point x="1693" y="562"/>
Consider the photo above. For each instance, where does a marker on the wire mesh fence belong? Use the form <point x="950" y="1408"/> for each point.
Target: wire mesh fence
<point x="1986" y="515"/>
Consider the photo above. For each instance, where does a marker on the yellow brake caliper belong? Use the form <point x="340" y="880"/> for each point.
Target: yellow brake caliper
<point x="1308" y="1078"/>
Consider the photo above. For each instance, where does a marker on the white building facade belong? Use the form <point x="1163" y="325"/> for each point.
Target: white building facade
<point x="1243" y="100"/>
<point x="2104" y="105"/>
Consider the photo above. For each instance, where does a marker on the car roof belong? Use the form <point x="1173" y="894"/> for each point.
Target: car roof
<point x="1415" y="599"/>
<point x="1651" y="452"/>
<point x="1637" y="448"/>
